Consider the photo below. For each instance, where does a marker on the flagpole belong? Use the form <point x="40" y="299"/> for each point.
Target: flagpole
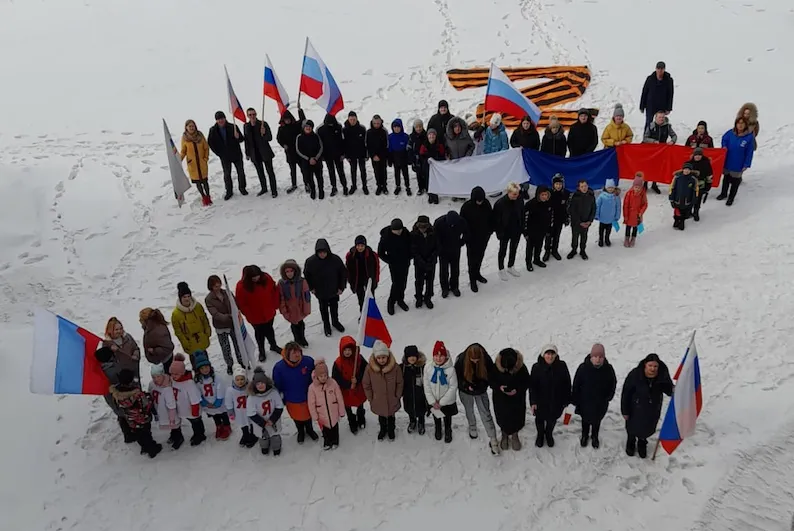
<point x="263" y="91"/>
<point x="485" y="98"/>
<point x="305" y="49"/>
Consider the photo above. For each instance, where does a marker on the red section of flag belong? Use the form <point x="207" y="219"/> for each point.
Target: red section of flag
<point x="94" y="380"/>
<point x="659" y="162"/>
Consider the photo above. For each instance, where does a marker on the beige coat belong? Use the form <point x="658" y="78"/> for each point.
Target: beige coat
<point x="383" y="386"/>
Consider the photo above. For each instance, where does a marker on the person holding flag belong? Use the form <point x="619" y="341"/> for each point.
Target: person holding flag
<point x="257" y="149"/>
<point x="685" y="406"/>
<point x="224" y="140"/>
<point x="641" y="402"/>
<point x="197" y="152"/>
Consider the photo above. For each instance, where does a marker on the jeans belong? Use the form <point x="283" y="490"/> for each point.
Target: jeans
<point x="361" y="166"/>
<point x="226" y="164"/>
<point x="334" y="167"/>
<point x="449" y="272"/>
<point x="261" y="166"/>
<point x="512" y="241"/>
<point x="484" y="407"/>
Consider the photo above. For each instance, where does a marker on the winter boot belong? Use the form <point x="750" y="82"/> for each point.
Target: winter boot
<point x="412" y="424"/>
<point x="549" y="434"/>
<point x="429" y="303"/>
<point x="444" y="293"/>
<point x="345" y="191"/>
<point x="397" y="190"/>
<point x="529" y="267"/>
<point x="176" y="439"/>
<point x="504" y="443"/>
<point x="473" y="432"/>
<point x="230" y="194"/>
<point x="494" y="444"/>
<point x="301" y="432"/>
<point x="594" y="441"/>
<point x="682" y="225"/>
<point x="606" y="241"/>
<point x="419" y="302"/>
<point x="420" y="425"/>
<point x="571" y="254"/>
<point x="474" y="288"/>
<point x="642" y="448"/>
<point x="515" y="442"/>
<point x="262" y="356"/>
<point x="361" y="416"/>
<point x="439" y="434"/>
<point x="539" y="263"/>
<point x="352" y="190"/>
<point x="390" y="424"/>
<point x="584" y="439"/>
<point x="546" y="256"/>
<point x="310" y="431"/>
<point x="696" y="216"/>
<point x="447" y="429"/>
<point x="456" y="292"/>
<point x="390" y="307"/>
<point x="556" y="255"/>
<point x="539" y="440"/>
<point x="626" y="241"/>
<point x="338" y="326"/>
<point x="334" y="191"/>
<point x="600" y="241"/>
<point x="583" y="255"/>
<point x="198" y="432"/>
<point x="408" y="192"/>
<point x="655" y="188"/>
<point x="364" y="189"/>
<point x="402" y="305"/>
<point x="291" y="189"/>
<point x="631" y="241"/>
<point x="384" y="428"/>
<point x="352" y="420"/>
<point x="244" y="438"/>
<point x="154" y="449"/>
<point x="327" y="330"/>
<point x="631" y="445"/>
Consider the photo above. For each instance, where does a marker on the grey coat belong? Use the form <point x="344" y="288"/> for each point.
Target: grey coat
<point x="459" y="146"/>
<point x="220" y="310"/>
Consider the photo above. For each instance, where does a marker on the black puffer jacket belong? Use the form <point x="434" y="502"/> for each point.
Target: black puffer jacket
<point x="424" y="248"/>
<point x="582" y="207"/>
<point x="393" y="249"/>
<point x="554" y="143"/>
<point x="414" y="401"/>
<point x="524" y="138"/>
<point x="550" y="387"/>
<point x="451" y="234"/>
<point x="508" y="217"/>
<point x="582" y="137"/>
<point x="257" y="145"/>
<point x="479" y="218"/>
<point x="333" y="140"/>
<point x="355" y="140"/>
<point x="378" y="142"/>
<point x="641" y="400"/>
<point x="326" y="276"/>
<point x="593" y="389"/>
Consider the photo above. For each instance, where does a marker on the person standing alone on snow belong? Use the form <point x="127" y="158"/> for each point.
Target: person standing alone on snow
<point x="257" y="297"/>
<point x="325" y="404"/>
<point x="657" y="93"/>
<point x="327" y="277"/>
<point x="363" y="269"/>
<point x="549" y="393"/>
<point x="333" y="152"/>
<point x="348" y="372"/>
<point x="473" y="369"/>
<point x="295" y="300"/>
<point x="288" y="131"/>
<point x="258" y="150"/>
<point x="424" y="251"/>
<point x="309" y="148"/>
<point x="394" y="248"/>
<point x="478" y="215"/>
<point x="508" y="215"/>
<point x="355" y="143"/>
<point x="414" y="401"/>
<point x="197" y="152"/>
<point x="378" y="151"/>
<point x="398" y="156"/>
<point x="608" y="208"/>
<point x="593" y="389"/>
<point x="510" y="383"/>
<point x="452" y="233"/>
<point x="224" y="140"/>
<point x="641" y="402"/>
<point x="383" y="385"/>
<point x="582" y="210"/>
<point x="292" y="376"/>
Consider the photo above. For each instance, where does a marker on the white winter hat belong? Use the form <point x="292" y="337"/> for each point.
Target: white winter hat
<point x="239" y="370"/>
<point x="610" y="183"/>
<point x="496" y="119"/>
<point x="158" y="369"/>
<point x="549" y="347"/>
<point x="380" y="349"/>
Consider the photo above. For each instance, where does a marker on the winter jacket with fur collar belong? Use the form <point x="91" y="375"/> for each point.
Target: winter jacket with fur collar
<point x="191" y="327"/>
<point x="383" y="386"/>
<point x="510" y="394"/>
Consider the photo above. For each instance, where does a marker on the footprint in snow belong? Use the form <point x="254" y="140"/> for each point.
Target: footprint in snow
<point x="689" y="485"/>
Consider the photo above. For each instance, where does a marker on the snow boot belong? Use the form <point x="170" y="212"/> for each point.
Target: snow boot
<point x="419" y="302"/>
<point x="390" y="307"/>
<point x="473" y="434"/>
<point x="301" y="432"/>
<point x="503" y="275"/>
<point x="444" y="293"/>
<point x="384" y="428"/>
<point x="595" y="442"/>
<point x="607" y="242"/>
<point x="601" y="241"/>
<point x="539" y="440"/>
<point x="327" y="330"/>
<point x="631" y="445"/>
<point x="397" y="190"/>
<point x="429" y="303"/>
<point x="177" y="439"/>
<point x="439" y="434"/>
<point x="262" y="356"/>
<point x="155" y="449"/>
<point x="456" y="292"/>
<point x="696" y="216"/>
<point x="408" y="192"/>
<point x="642" y="448"/>
<point x="352" y="190"/>
<point x="474" y="288"/>
<point x="584" y="440"/>
<point x="571" y="254"/>
<point x="515" y="442"/>
<point x="447" y="429"/>
<point x="631" y="241"/>
<point x="402" y="305"/>
<point x="584" y="255"/>
<point x="228" y="196"/>
<point x="353" y="422"/>
<point x="390" y="427"/>
<point x="494" y="444"/>
<point x="338" y="326"/>
<point x="198" y="432"/>
<point x="556" y="255"/>
<point x="291" y="189"/>
<point x="334" y="191"/>
<point x="539" y="263"/>
<point x="546" y="256"/>
<point x="504" y="443"/>
<point x="310" y="431"/>
<point x="345" y="191"/>
<point x="420" y="426"/>
<point x="412" y="424"/>
<point x="626" y="241"/>
<point x="655" y="188"/>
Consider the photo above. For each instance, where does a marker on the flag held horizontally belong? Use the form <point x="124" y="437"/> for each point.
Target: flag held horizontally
<point x="686" y="403"/>
<point x="178" y="178"/>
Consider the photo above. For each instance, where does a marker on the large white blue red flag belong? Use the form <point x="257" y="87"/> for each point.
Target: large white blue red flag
<point x="63" y="358"/>
<point x="503" y="97"/>
<point x="273" y="88"/>
<point x="372" y="327"/>
<point x="687" y="401"/>
<point x="179" y="180"/>
<point x="318" y="83"/>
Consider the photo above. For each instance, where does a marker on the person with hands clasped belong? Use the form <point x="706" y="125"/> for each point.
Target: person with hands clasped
<point x="383" y="385"/>
<point x="326" y="404"/>
<point x="593" y="389"/>
<point x="549" y="393"/>
<point x="224" y="140"/>
<point x="264" y="407"/>
<point x="236" y="402"/>
<point x="348" y="371"/>
<point x="582" y="211"/>
<point x="441" y="389"/>
<point x="510" y="383"/>
<point x="124" y="347"/>
<point x="473" y="368"/>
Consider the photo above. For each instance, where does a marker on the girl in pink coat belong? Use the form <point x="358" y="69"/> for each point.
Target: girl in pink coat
<point x="325" y="404"/>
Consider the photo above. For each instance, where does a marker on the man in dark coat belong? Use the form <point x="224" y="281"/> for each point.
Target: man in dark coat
<point x="424" y="251"/>
<point x="549" y="393"/>
<point x="258" y="151"/>
<point x="440" y="120"/>
<point x="702" y="168"/>
<point x="452" y="232"/>
<point x="327" y="277"/>
<point x="333" y="151"/>
<point x="224" y="140"/>
<point x="657" y="93"/>
<point x="288" y="131"/>
<point x="478" y="215"/>
<point x="363" y="267"/>
<point x="537" y="224"/>
<point x="593" y="389"/>
<point x="309" y="148"/>
<point x="395" y="249"/>
<point x="641" y="402"/>
<point x="508" y="220"/>
<point x="355" y="149"/>
<point x="583" y="135"/>
<point x="560" y="197"/>
<point x="582" y="210"/>
<point x="378" y="152"/>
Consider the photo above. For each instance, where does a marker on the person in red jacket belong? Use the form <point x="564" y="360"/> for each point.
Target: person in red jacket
<point x="363" y="265"/>
<point x="348" y="372"/>
<point x="258" y="299"/>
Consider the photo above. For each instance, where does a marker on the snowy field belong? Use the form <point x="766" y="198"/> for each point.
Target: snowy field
<point x="91" y="229"/>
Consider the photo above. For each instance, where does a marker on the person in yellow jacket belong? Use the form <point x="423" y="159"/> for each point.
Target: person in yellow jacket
<point x="197" y="152"/>
<point x="617" y="132"/>
<point x="190" y="322"/>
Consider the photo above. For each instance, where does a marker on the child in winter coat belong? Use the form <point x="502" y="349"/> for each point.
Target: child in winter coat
<point x="441" y="389"/>
<point x="607" y="212"/>
<point x="190" y="323"/>
<point x="165" y="413"/>
<point x="188" y="398"/>
<point x="348" y="372"/>
<point x="510" y="383"/>
<point x="294" y="300"/>
<point x="220" y="308"/>
<point x="593" y="389"/>
<point x="495" y="137"/>
<point x="549" y="393"/>
<point x="700" y="137"/>
<point x="213" y="392"/>
<point x="683" y="194"/>
<point x="292" y="376"/>
<point x="383" y="385"/>
<point x="617" y="132"/>
<point x="582" y="211"/>
<point x="635" y="203"/>
<point x="538" y="214"/>
<point x="236" y="402"/>
<point x="473" y="368"/>
<point x="137" y="408"/>
<point x="107" y="361"/>
<point x="414" y="401"/>
<point x="326" y="404"/>
<point x="265" y="408"/>
<point x="559" y="216"/>
<point x="704" y="171"/>
<point x="424" y="251"/>
<point x="398" y="155"/>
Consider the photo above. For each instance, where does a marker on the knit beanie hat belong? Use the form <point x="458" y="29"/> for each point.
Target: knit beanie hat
<point x="697" y="151"/>
<point x="688" y="166"/>
<point x="361" y="240"/>
<point x="583" y="111"/>
<point x="239" y="370"/>
<point x="201" y="359"/>
<point x="158" y="370"/>
<point x="177" y="366"/>
<point x="618" y="111"/>
<point x="183" y="289"/>
<point x="353" y="114"/>
<point x="440" y="348"/>
<point x="558" y="178"/>
<point x="396" y="224"/>
<point x="432" y="131"/>
<point x="259" y="376"/>
<point x="638" y="179"/>
<point x="309" y="123"/>
<point x="126" y="377"/>
<point x="320" y="367"/>
<point x="380" y="349"/>
<point x="411" y="351"/>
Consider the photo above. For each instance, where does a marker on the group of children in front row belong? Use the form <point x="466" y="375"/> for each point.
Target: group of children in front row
<point x="311" y="393"/>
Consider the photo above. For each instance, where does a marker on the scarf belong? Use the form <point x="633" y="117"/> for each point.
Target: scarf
<point x="198" y="137"/>
<point x="439" y="375"/>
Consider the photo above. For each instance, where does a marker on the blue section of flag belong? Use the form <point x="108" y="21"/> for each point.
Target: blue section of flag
<point x="595" y="168"/>
<point x="312" y="69"/>
<point x="70" y="361"/>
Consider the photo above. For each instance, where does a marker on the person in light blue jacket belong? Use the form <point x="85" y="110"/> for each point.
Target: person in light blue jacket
<point x="608" y="208"/>
<point x="740" y="144"/>
<point x="495" y="137"/>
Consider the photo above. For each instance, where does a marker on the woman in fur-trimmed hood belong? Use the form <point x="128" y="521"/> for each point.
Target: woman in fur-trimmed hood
<point x="510" y="382"/>
<point x="383" y="385"/>
<point x="294" y="299"/>
<point x="749" y="111"/>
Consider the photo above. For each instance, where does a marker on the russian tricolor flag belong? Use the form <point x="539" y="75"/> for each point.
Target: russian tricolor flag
<point x="273" y="88"/>
<point x="687" y="401"/>
<point x="503" y="97"/>
<point x="372" y="327"/>
<point x="63" y="358"/>
<point x="318" y="83"/>
<point x="234" y="103"/>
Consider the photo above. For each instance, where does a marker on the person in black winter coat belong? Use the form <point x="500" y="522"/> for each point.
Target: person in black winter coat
<point x="701" y="165"/>
<point x="416" y="140"/>
<point x="478" y="215"/>
<point x="363" y="267"/>
<point x="593" y="389"/>
<point x="333" y="151"/>
<point x="510" y="382"/>
<point x="327" y="277"/>
<point x="560" y="197"/>
<point x="452" y="232"/>
<point x="508" y="219"/>
<point x="414" y="401"/>
<point x="431" y="149"/>
<point x="583" y="135"/>
<point x="224" y="140"/>
<point x="525" y="135"/>
<point x="309" y="148"/>
<point x="641" y="402"/>
<point x="683" y="194"/>
<point x="355" y="149"/>
<point x="395" y="249"/>
<point x="538" y="214"/>
<point x="657" y="93"/>
<point x="582" y="210"/>
<point x="440" y="120"/>
<point x="424" y="251"/>
<point x="554" y="141"/>
<point x="549" y="393"/>
<point x="258" y="150"/>
<point x="288" y="131"/>
<point x="378" y="151"/>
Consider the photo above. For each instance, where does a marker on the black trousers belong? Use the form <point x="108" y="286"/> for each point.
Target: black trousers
<point x="591" y="427"/>
<point x="226" y="164"/>
<point x="261" y="166"/>
<point x="313" y="176"/>
<point x="422" y="179"/>
<point x="698" y="202"/>
<point x="203" y="187"/>
<point x="221" y="420"/>
<point x="730" y="186"/>
<point x="329" y="310"/>
<point x="379" y="169"/>
<point x="544" y="426"/>
<point x="299" y="332"/>
<point x="534" y="247"/>
<point x="399" y="281"/>
<point x="402" y="169"/>
<point x="449" y="271"/>
<point x="578" y="237"/>
<point x="264" y="331"/>
<point x="475" y="252"/>
<point x="604" y="232"/>
<point x="358" y="165"/>
<point x="292" y="161"/>
<point x="361" y="294"/>
<point x="512" y="242"/>
<point x="631" y="232"/>
<point x="331" y="436"/>
<point x="334" y="167"/>
<point x="143" y="436"/>
<point x="423" y="281"/>
<point x="553" y="238"/>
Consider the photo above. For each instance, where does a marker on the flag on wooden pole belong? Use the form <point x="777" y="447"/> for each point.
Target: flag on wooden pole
<point x="178" y="178"/>
<point x="234" y="104"/>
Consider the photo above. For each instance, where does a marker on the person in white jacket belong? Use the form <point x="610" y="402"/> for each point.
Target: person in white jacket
<point x="165" y="405"/>
<point x="236" y="402"/>
<point x="441" y="390"/>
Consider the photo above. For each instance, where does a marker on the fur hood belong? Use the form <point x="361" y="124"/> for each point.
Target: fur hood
<point x="186" y="309"/>
<point x="119" y="395"/>
<point x="291" y="264"/>
<point x="519" y="363"/>
<point x="390" y="365"/>
<point x="753" y="111"/>
<point x="421" y="360"/>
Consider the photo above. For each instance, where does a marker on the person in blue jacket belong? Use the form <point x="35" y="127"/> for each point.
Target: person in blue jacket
<point x="608" y="209"/>
<point x="292" y="377"/>
<point x="739" y="143"/>
<point x="495" y="137"/>
<point x="399" y="156"/>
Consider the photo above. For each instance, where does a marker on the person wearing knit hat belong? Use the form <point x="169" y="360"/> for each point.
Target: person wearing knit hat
<point x="213" y="391"/>
<point x="165" y="409"/>
<point x="560" y="197"/>
<point x="309" y="149"/>
<point x="635" y="203"/>
<point x="190" y="322"/>
<point x="424" y="252"/>
<point x="495" y="138"/>
<point x="235" y="400"/>
<point x="608" y="208"/>
<point x="363" y="269"/>
<point x="378" y="151"/>
<point x="414" y="401"/>
<point x="700" y="137"/>
<point x="188" y="398"/>
<point x="593" y="390"/>
<point x="549" y="393"/>
<point x="224" y="140"/>
<point x="683" y="194"/>
<point x="265" y="408"/>
<point x="383" y="385"/>
<point x="554" y="141"/>
<point x="441" y="390"/>
<point x="617" y="132"/>
<point x="701" y="165"/>
<point x="219" y="306"/>
<point x="394" y="248"/>
<point x="326" y="404"/>
<point x="292" y="376"/>
<point x="136" y="407"/>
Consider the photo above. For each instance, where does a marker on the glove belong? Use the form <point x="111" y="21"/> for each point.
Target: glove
<point x="218" y="402"/>
<point x="204" y="403"/>
<point x="231" y="414"/>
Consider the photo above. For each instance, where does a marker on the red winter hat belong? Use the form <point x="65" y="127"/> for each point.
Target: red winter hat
<point x="440" y="348"/>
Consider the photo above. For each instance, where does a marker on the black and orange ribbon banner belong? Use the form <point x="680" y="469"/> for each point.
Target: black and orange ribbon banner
<point x="565" y="84"/>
